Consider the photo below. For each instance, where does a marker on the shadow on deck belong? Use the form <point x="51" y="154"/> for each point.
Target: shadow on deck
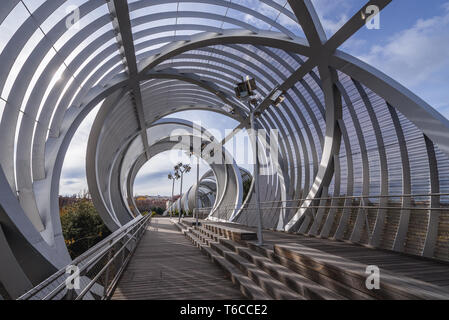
<point x="167" y="266"/>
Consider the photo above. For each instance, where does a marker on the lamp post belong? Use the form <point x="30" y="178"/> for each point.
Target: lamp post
<point x="197" y="182"/>
<point x="245" y="91"/>
<point x="197" y="186"/>
<point x="180" y="169"/>
<point x="256" y="176"/>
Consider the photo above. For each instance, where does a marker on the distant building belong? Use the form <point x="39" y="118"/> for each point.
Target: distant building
<point x="147" y="203"/>
<point x="69" y="200"/>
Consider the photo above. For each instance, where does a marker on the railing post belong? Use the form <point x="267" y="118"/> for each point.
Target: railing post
<point x="105" y="288"/>
<point x="71" y="294"/>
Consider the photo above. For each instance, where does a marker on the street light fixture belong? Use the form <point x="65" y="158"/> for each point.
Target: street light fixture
<point x="245" y="91"/>
<point x="277" y="97"/>
<point x="192" y="153"/>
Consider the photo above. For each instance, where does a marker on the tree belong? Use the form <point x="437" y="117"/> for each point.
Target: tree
<point x="82" y="227"/>
<point x="246" y="186"/>
<point x="160" y="211"/>
<point x="181" y="169"/>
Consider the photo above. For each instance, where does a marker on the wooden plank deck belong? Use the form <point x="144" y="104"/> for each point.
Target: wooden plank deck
<point x="167" y="266"/>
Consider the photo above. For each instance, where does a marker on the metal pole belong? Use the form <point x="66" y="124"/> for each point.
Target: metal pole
<point x="171" y="200"/>
<point x="180" y="198"/>
<point x="197" y="186"/>
<point x="256" y="178"/>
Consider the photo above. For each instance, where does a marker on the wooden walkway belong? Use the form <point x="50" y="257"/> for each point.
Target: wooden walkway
<point x="167" y="266"/>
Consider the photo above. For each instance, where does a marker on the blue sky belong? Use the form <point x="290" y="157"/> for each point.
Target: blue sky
<point x="411" y="46"/>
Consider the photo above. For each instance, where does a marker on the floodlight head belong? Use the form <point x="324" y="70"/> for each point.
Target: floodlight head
<point x="276" y="94"/>
<point x="278" y="101"/>
<point x="277" y="97"/>
<point x="170" y="176"/>
<point x="246" y="88"/>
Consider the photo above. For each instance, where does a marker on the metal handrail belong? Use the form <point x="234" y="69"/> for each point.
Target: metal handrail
<point x="122" y="248"/>
<point x="89" y="260"/>
<point x="286" y="204"/>
<point x="247" y="206"/>
<point x="90" y="263"/>
<point x="356" y="197"/>
<point x="344" y="207"/>
<point x="426" y="205"/>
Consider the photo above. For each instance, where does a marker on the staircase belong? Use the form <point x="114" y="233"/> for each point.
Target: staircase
<point x="314" y="269"/>
<point x="253" y="269"/>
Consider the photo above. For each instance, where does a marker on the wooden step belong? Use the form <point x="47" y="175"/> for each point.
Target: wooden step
<point x="273" y="287"/>
<point x="204" y="238"/>
<point x="353" y="274"/>
<point x="208" y="233"/>
<point x="298" y="283"/>
<point x="320" y="278"/>
<point x="309" y="288"/>
<point x="191" y="222"/>
<point x="178" y="225"/>
<point x="231" y="232"/>
<point x="293" y="281"/>
<point x="248" y="287"/>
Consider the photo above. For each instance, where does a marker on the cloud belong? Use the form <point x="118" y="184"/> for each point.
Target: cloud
<point x="76" y="172"/>
<point x="70" y="182"/>
<point x="73" y="175"/>
<point x="417" y="55"/>
<point x="152" y="178"/>
<point x="333" y="13"/>
<point x="144" y="178"/>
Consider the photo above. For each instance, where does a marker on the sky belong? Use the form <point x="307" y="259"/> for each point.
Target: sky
<point x="411" y="46"/>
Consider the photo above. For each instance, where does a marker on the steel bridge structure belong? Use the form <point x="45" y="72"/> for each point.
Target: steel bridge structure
<point x="360" y="157"/>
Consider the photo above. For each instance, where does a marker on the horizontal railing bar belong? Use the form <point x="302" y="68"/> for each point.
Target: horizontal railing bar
<point x="78" y="259"/>
<point x="94" y="280"/>
<point x="346" y="207"/>
<point x="115" y="237"/>
<point x="95" y="258"/>
<point x="350" y="197"/>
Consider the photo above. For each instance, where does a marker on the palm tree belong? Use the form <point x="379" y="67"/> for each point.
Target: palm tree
<point x="180" y="169"/>
<point x="173" y="177"/>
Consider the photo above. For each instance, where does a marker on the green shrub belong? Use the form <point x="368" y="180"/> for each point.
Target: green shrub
<point x="82" y="227"/>
<point x="246" y="187"/>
